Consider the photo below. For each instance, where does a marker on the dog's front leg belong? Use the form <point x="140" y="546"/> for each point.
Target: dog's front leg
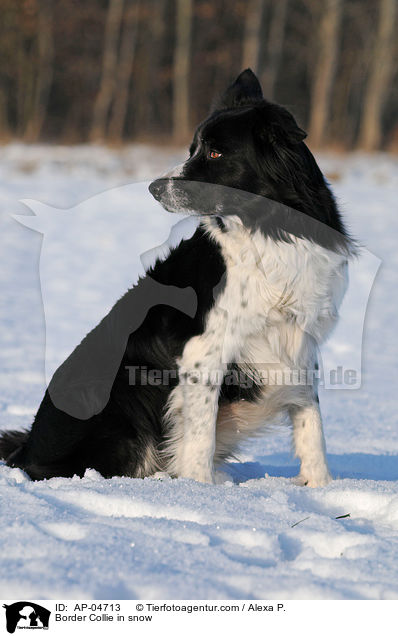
<point x="192" y="409"/>
<point x="309" y="445"/>
<point x="195" y="454"/>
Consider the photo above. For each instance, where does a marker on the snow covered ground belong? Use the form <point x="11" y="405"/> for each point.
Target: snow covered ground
<point x="254" y="535"/>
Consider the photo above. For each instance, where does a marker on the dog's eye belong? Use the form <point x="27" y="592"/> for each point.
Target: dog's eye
<point x="213" y="154"/>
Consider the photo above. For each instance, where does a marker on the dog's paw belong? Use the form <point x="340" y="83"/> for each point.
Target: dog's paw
<point x="203" y="476"/>
<point x="161" y="476"/>
<point x="314" y="480"/>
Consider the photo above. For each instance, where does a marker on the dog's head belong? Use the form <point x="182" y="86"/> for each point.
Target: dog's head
<point x="248" y="145"/>
<point x="237" y="146"/>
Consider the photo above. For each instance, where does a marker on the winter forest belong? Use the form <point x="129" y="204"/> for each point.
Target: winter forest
<point x="145" y="70"/>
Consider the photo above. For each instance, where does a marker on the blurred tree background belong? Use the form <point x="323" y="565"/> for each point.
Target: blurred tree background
<point x="125" y="70"/>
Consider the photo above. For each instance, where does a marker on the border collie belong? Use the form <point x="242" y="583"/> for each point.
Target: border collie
<point x="268" y="264"/>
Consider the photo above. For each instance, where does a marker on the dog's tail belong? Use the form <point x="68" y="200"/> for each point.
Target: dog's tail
<point x="10" y="442"/>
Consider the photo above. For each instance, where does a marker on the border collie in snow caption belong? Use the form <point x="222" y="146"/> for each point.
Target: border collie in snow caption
<point x="268" y="265"/>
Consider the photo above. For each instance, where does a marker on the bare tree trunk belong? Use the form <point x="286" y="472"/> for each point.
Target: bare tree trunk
<point x="182" y="62"/>
<point x="25" y="89"/>
<point x="252" y="36"/>
<point x="24" y="75"/>
<point x="109" y="66"/>
<point x="329" y="32"/>
<point x="370" y="134"/>
<point x="158" y="80"/>
<point x="4" y="124"/>
<point x="274" y="49"/>
<point x="45" y="44"/>
<point x="124" y="71"/>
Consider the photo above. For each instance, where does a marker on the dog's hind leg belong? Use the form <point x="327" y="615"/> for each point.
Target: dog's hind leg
<point x="309" y="445"/>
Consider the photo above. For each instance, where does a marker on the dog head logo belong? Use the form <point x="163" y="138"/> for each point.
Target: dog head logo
<point x="84" y="276"/>
<point x="26" y="615"/>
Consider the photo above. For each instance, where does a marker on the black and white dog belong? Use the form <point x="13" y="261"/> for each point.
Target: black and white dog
<point x="268" y="264"/>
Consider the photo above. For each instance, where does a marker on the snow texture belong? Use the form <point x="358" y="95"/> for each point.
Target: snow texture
<point x="254" y="534"/>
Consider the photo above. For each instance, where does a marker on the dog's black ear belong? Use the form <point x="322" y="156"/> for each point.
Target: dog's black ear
<point x="246" y="89"/>
<point x="277" y="126"/>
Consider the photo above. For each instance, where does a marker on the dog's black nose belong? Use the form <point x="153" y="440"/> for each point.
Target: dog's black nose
<point x="157" y="187"/>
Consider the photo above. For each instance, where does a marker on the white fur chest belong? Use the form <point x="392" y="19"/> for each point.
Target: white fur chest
<point x="278" y="296"/>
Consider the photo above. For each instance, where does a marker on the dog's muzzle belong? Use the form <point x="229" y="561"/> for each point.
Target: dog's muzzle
<point x="157" y="188"/>
<point x="180" y="195"/>
<point x="171" y="192"/>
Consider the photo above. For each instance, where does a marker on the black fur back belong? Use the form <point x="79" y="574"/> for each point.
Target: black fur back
<point x="125" y="437"/>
